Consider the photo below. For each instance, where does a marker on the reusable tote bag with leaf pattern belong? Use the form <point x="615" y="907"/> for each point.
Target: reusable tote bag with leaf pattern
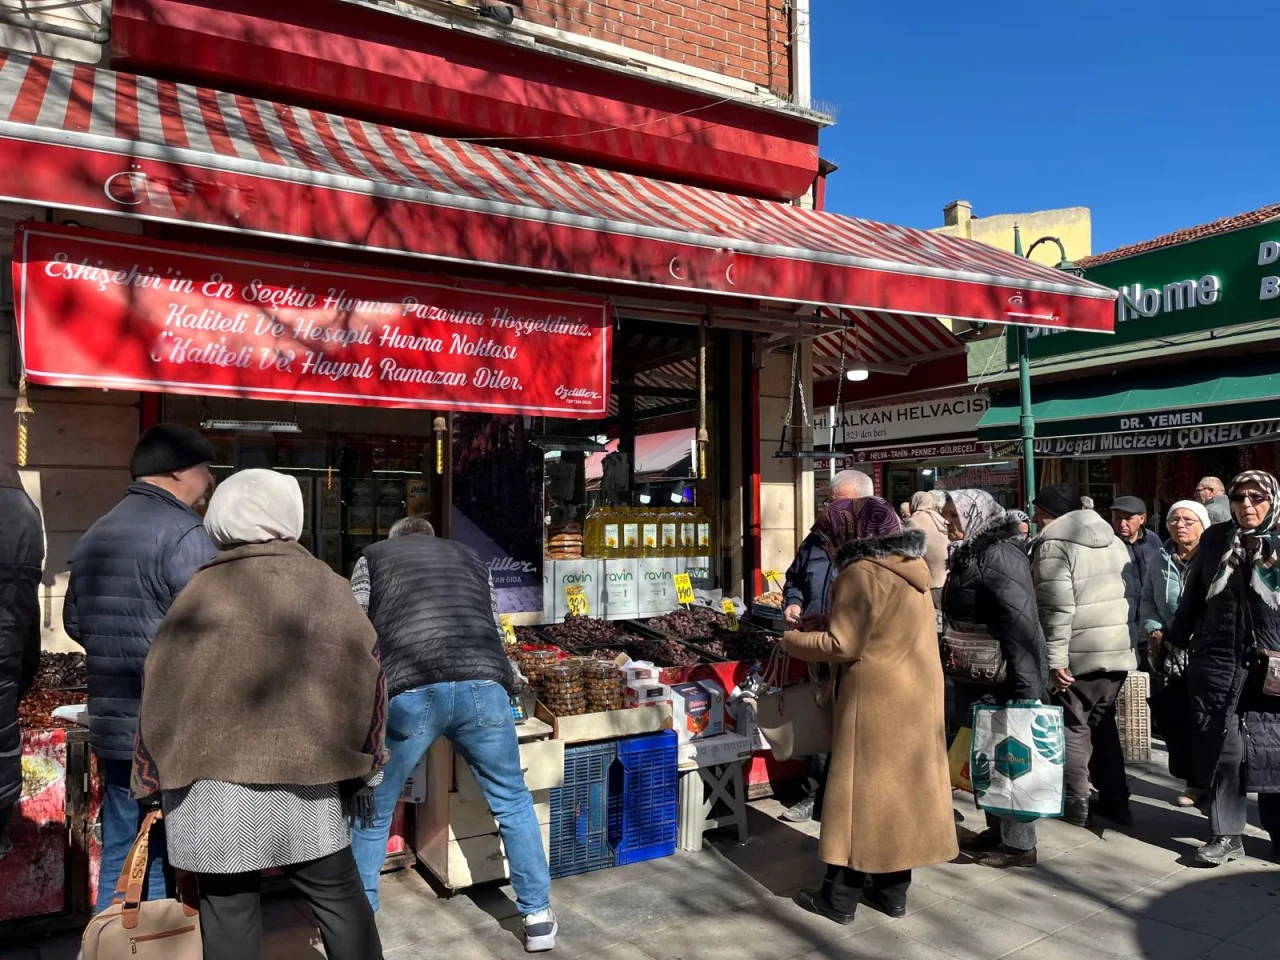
<point x="1016" y="759"/>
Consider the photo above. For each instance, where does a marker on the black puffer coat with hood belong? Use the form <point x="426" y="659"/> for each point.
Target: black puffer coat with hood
<point x="21" y="557"/>
<point x="989" y="583"/>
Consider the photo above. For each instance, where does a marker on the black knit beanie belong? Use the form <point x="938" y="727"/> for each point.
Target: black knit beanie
<point x="168" y="448"/>
<point x="1058" y="499"/>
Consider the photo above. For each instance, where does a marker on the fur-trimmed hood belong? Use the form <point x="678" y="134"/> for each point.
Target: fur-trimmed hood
<point x="893" y="552"/>
<point x="1004" y="528"/>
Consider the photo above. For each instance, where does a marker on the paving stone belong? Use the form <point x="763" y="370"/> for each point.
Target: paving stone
<point x="769" y="931"/>
<point x="1105" y="873"/>
<point x="882" y="943"/>
<point x="1216" y="904"/>
<point x="1233" y="951"/>
<point x="1027" y="898"/>
<point x="964" y="933"/>
<point x="1262" y="935"/>
<point x="1119" y="934"/>
<point x="1051" y="948"/>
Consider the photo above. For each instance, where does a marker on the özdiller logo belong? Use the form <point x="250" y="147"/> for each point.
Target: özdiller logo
<point x="578" y="395"/>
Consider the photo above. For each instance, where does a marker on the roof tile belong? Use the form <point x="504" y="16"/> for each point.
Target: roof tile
<point x="1187" y="234"/>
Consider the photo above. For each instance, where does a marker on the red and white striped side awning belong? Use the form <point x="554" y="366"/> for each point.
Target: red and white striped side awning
<point x="75" y="136"/>
<point x="877" y="336"/>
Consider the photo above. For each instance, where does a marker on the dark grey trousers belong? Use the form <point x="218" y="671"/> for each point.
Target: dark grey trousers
<point x="1229" y="808"/>
<point x="1093" y="740"/>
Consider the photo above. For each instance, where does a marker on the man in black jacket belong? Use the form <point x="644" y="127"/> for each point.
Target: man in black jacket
<point x="433" y="606"/>
<point x="21" y="558"/>
<point x="125" y="572"/>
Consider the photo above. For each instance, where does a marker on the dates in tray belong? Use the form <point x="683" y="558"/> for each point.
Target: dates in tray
<point x="694" y="621"/>
<point x="585" y="633"/>
<point x="59" y="671"/>
<point x="745" y="645"/>
<point x="662" y="653"/>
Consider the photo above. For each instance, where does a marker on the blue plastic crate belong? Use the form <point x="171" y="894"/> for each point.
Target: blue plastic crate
<point x="644" y="798"/>
<point x="580" y="812"/>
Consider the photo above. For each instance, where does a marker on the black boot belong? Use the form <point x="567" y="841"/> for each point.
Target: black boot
<point x="984" y="842"/>
<point x="1007" y="857"/>
<point x="1115" y="810"/>
<point x="817" y="902"/>
<point x="1076" y="812"/>
<point x="891" y="903"/>
<point x="1220" y="850"/>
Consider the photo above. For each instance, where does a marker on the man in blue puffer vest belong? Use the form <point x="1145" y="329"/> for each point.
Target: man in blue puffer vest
<point x="125" y="572"/>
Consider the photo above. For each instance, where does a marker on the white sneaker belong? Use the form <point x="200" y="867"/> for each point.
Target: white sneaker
<point x="540" y="931"/>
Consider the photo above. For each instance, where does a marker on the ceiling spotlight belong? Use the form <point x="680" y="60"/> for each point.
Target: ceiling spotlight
<point x="857" y="371"/>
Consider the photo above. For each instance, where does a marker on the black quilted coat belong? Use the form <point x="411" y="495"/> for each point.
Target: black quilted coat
<point x="1222" y="634"/>
<point x="21" y="557"/>
<point x="989" y="582"/>
<point x="125" y="572"/>
<point x="432" y="604"/>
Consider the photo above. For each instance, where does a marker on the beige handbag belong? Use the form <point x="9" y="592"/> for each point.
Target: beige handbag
<point x="796" y="720"/>
<point x="134" y="929"/>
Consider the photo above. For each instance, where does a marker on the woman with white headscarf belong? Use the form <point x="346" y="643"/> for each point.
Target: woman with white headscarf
<point x="925" y="517"/>
<point x="1229" y="622"/>
<point x="262" y="724"/>
<point x="989" y="591"/>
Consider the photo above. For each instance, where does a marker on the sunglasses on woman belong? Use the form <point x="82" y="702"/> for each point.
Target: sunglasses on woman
<point x="1254" y="498"/>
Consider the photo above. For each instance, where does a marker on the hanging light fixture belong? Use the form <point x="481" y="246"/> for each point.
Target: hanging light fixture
<point x="857" y="370"/>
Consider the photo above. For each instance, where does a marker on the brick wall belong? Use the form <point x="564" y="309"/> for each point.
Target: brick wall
<point x="743" y="39"/>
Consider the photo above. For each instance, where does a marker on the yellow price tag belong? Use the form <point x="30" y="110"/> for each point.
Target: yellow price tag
<point x="508" y="629"/>
<point x="684" y="588"/>
<point x="576" y="600"/>
<point x="730" y="613"/>
<point x="774" y="575"/>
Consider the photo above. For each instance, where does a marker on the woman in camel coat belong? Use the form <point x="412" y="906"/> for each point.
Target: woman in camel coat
<point x="888" y="801"/>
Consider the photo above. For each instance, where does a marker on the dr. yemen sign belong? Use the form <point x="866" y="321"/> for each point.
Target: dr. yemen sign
<point x="100" y="310"/>
<point x="1217" y="281"/>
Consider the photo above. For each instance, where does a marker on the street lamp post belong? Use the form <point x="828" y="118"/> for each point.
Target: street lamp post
<point x="1026" y="420"/>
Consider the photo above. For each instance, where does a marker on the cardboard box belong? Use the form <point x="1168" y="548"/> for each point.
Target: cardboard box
<point x="641" y="670"/>
<point x="646" y="690"/>
<point x="697" y="709"/>
<point x="415" y="788"/>
<point x="714" y="751"/>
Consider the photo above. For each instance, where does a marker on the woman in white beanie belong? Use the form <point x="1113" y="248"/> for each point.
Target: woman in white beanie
<point x="262" y="725"/>
<point x="1161" y="593"/>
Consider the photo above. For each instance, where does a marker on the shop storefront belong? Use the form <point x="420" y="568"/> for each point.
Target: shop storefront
<point x="1188" y="387"/>
<point x="556" y="364"/>
<point x="921" y="444"/>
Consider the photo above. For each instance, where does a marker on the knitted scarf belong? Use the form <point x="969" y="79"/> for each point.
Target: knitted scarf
<point x="845" y="520"/>
<point x="1259" y="547"/>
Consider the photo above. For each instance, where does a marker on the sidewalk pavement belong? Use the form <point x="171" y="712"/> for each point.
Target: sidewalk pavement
<point x="1096" y="893"/>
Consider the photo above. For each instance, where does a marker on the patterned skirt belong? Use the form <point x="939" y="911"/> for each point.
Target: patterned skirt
<point x="216" y="827"/>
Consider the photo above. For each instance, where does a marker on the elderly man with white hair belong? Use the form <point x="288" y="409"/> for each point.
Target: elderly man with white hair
<point x="805" y="592"/>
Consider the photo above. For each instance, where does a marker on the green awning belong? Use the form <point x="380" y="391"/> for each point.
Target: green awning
<point x="1120" y="402"/>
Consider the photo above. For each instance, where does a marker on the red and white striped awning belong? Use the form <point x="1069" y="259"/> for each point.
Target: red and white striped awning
<point x="877" y="336"/>
<point x="79" y="137"/>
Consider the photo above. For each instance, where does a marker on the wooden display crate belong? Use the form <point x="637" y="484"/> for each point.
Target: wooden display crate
<point x="608" y="725"/>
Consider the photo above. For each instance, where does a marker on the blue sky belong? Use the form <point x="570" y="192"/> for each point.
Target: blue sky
<point x="1156" y="114"/>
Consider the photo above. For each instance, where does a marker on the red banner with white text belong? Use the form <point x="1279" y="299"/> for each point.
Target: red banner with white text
<point x="101" y="310"/>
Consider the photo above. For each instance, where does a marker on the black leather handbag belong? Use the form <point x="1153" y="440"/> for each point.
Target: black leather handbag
<point x="971" y="654"/>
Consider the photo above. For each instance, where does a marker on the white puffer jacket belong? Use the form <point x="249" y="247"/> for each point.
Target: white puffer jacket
<point x="1087" y="593"/>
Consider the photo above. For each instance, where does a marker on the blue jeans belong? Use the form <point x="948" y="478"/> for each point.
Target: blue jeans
<point x="121" y="817"/>
<point x="475" y="716"/>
